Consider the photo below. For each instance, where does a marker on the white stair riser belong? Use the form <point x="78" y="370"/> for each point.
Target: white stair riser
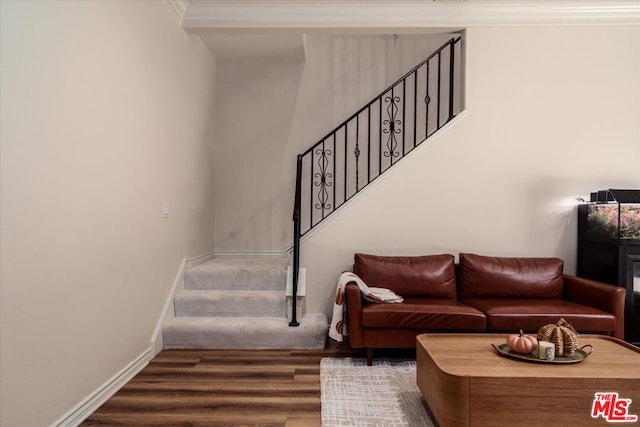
<point x="257" y="274"/>
<point x="245" y="333"/>
<point x="230" y="303"/>
<point x="203" y="283"/>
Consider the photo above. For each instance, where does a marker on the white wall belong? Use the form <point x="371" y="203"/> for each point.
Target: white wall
<point x="106" y="112"/>
<point x="271" y="109"/>
<point x="552" y="114"/>
<point x="255" y="105"/>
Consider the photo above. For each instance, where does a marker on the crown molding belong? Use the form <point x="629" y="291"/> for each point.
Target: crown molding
<point x="180" y="6"/>
<point x="309" y="15"/>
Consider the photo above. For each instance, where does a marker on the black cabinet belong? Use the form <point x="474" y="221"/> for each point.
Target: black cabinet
<point x="609" y="248"/>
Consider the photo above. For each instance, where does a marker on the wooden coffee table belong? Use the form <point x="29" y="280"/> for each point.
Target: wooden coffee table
<point x="465" y="382"/>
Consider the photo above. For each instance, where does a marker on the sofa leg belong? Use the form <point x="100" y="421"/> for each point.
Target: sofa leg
<point x="369" y="356"/>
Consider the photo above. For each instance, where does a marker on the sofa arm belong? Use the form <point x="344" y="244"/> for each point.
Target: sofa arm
<point x="603" y="296"/>
<point x="354" y="315"/>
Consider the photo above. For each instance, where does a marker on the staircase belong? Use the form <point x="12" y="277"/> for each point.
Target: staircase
<point x="239" y="303"/>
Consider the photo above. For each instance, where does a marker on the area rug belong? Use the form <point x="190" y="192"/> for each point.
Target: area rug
<point x="385" y="394"/>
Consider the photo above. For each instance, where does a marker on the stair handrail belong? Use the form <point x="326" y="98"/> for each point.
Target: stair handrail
<point x="296" y="241"/>
<point x="297" y="209"/>
<point x="449" y="42"/>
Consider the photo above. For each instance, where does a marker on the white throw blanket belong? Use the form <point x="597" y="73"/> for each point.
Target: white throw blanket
<point x="338" y="329"/>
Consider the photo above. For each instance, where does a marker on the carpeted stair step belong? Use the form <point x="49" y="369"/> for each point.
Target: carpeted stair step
<point x="236" y="303"/>
<point x="240" y="303"/>
<point x="245" y="333"/>
<point x="235" y="273"/>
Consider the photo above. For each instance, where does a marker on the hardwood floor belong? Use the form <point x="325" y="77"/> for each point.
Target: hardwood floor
<point x="222" y="388"/>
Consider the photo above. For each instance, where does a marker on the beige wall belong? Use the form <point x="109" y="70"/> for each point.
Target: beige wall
<point x="106" y="110"/>
<point x="106" y="113"/>
<point x="552" y="114"/>
<point x="255" y="104"/>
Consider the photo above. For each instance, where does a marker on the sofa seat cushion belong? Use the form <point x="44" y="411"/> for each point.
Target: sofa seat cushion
<point x="510" y="315"/>
<point x="429" y="276"/>
<point x="436" y="314"/>
<point x="501" y="277"/>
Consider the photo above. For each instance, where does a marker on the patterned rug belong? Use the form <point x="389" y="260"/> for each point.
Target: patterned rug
<point x="385" y="394"/>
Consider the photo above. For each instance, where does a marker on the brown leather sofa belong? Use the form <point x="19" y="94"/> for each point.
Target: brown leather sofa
<point x="479" y="294"/>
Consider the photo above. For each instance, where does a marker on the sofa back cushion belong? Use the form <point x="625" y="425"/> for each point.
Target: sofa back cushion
<point x="500" y="277"/>
<point x="431" y="276"/>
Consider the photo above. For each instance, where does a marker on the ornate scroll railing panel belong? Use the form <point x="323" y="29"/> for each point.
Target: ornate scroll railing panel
<point x="373" y="139"/>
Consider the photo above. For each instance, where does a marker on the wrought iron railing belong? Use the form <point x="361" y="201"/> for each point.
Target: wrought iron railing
<point x="372" y="140"/>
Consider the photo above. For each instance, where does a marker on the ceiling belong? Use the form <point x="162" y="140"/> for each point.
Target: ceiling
<point x="255" y="45"/>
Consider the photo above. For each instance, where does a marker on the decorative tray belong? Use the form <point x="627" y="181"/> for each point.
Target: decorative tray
<point x="576" y="357"/>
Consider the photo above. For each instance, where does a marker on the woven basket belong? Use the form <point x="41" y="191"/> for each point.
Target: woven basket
<point x="562" y="335"/>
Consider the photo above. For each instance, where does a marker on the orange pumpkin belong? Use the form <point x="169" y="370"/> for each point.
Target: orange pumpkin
<point x="522" y="343"/>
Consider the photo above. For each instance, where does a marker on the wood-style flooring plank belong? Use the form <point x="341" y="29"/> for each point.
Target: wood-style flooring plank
<point x="266" y="388"/>
<point x="275" y="387"/>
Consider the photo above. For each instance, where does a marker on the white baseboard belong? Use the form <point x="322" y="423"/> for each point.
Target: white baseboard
<point x="85" y="408"/>
<point x="178" y="283"/>
<point x="248" y="254"/>
<point x="92" y="402"/>
<point x="199" y="259"/>
<point x="167" y="310"/>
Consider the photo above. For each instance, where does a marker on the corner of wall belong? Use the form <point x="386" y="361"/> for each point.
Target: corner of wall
<point x="92" y="402"/>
